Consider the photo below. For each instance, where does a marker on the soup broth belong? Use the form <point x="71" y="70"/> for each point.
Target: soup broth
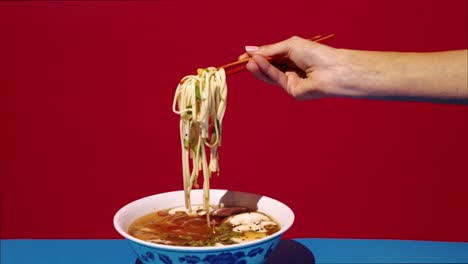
<point x="228" y="226"/>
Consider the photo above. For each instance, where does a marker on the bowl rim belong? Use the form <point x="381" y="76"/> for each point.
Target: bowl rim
<point x="125" y="234"/>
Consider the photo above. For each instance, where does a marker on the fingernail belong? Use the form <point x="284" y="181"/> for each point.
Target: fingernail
<point x="251" y="48"/>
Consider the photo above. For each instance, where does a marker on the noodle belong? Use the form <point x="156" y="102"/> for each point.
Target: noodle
<point x="200" y="100"/>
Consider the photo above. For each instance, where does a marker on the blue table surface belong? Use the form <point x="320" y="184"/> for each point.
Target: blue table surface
<point x="302" y="250"/>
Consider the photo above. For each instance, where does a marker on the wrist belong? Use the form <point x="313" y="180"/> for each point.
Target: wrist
<point x="360" y="73"/>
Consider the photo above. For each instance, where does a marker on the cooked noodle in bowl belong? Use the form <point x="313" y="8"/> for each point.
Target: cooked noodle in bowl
<point x="254" y="251"/>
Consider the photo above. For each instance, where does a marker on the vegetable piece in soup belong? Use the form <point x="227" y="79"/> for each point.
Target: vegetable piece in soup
<point x="230" y="225"/>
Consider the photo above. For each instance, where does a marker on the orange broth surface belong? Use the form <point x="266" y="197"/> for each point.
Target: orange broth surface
<point x="181" y="229"/>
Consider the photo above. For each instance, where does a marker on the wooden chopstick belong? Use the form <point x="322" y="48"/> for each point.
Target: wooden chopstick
<point x="238" y="66"/>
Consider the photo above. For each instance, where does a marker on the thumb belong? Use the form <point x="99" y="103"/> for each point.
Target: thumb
<point x="301" y="88"/>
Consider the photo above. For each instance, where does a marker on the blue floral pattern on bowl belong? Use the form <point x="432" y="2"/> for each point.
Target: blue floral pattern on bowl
<point x="269" y="251"/>
<point x="254" y="254"/>
<point x="165" y="259"/>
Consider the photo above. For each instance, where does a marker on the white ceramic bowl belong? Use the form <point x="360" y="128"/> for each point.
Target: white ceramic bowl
<point x="251" y="252"/>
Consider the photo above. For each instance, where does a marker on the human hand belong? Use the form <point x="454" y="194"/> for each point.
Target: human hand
<point x="303" y="68"/>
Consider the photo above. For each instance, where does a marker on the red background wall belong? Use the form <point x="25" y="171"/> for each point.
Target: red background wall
<point x="86" y="125"/>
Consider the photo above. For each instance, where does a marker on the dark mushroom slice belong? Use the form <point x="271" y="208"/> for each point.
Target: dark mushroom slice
<point x="228" y="211"/>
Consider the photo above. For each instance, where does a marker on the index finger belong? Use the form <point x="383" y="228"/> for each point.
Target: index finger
<point x="270" y="71"/>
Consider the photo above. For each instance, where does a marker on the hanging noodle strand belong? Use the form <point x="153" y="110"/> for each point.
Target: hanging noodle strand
<point x="200" y="100"/>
